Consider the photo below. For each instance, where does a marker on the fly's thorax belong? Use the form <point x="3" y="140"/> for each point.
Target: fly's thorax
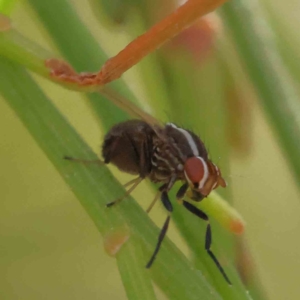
<point x="165" y="161"/>
<point x="171" y="148"/>
<point x="203" y="175"/>
<point x="185" y="142"/>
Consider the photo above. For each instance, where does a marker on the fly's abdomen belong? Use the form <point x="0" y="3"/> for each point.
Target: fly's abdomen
<point x="128" y="145"/>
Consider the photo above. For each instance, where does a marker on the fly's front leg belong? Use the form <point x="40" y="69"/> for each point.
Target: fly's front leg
<point x="158" y="194"/>
<point x="181" y="192"/>
<point x="196" y="195"/>
<point x="208" y="238"/>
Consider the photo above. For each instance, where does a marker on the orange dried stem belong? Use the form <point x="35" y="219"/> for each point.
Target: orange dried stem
<point x="155" y="37"/>
<point x="161" y="32"/>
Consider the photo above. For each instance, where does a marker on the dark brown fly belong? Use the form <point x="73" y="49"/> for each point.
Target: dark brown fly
<point x="164" y="154"/>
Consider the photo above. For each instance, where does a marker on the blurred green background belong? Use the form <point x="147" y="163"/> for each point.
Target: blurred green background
<point x="50" y="249"/>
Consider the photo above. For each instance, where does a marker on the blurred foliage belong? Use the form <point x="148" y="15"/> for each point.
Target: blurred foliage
<point x="201" y="80"/>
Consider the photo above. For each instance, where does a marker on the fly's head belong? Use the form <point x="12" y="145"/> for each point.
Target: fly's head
<point x="202" y="175"/>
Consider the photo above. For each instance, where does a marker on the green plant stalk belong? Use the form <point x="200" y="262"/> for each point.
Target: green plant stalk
<point x="256" y="44"/>
<point x="215" y="206"/>
<point x="93" y="185"/>
<point x="19" y="49"/>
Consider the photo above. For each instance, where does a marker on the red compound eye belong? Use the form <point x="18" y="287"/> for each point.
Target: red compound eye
<point x="196" y="171"/>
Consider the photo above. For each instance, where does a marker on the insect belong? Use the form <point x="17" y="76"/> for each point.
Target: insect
<point x="164" y="154"/>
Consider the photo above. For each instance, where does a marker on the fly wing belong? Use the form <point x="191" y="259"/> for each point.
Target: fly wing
<point x="131" y="108"/>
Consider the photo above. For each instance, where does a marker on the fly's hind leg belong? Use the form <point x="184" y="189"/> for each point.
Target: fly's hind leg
<point x="143" y="170"/>
<point x="135" y="182"/>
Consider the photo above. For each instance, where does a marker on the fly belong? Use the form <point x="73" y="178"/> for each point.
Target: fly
<point x="164" y="154"/>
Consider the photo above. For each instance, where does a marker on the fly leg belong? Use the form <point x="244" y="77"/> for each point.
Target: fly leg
<point x="135" y="182"/>
<point x="208" y="239"/>
<point x="141" y="158"/>
<point x="153" y="202"/>
<point x="167" y="204"/>
<point x="181" y="192"/>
